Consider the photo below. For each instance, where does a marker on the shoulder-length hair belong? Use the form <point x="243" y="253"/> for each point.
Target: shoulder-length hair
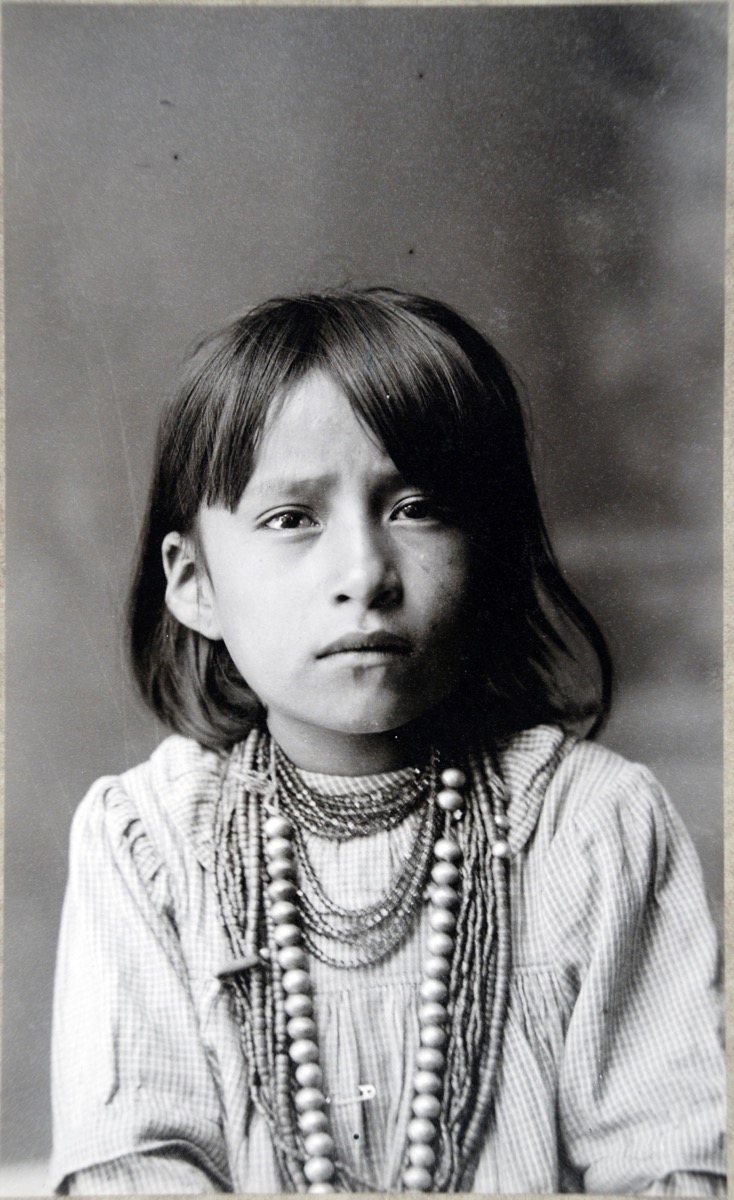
<point x="440" y="399"/>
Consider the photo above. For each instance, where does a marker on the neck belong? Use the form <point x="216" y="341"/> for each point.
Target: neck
<point x="333" y="753"/>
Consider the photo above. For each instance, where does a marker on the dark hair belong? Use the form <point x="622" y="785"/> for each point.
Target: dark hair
<point x="441" y="401"/>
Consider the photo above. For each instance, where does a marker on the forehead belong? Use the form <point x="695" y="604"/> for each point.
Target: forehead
<point x="314" y="430"/>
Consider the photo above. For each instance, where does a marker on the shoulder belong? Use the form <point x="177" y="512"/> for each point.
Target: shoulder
<point x="608" y="832"/>
<point x="577" y="800"/>
<point x="601" y="797"/>
<point x="555" y="777"/>
<point x="608" y="858"/>
<point x="171" y="797"/>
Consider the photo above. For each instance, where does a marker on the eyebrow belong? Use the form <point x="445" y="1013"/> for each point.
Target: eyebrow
<point x="276" y="484"/>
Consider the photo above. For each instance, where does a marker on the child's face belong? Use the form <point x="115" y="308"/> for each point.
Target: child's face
<point x="340" y="596"/>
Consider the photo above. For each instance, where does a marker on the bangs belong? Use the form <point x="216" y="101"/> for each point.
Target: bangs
<point x="408" y="380"/>
<point x="414" y="389"/>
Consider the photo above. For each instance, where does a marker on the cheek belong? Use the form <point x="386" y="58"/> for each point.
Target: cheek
<point x="241" y="611"/>
<point x="263" y="623"/>
<point x="452" y="584"/>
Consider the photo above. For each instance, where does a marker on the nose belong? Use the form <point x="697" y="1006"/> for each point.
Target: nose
<point x="365" y="570"/>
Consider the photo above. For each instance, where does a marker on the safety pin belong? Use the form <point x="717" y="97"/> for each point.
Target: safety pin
<point x="367" y="1091"/>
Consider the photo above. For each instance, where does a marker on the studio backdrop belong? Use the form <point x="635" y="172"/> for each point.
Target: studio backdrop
<point x="555" y="173"/>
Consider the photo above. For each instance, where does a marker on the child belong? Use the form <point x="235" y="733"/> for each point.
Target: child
<point x="376" y="917"/>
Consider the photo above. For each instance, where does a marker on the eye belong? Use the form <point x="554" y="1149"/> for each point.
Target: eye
<point x="289" y="519"/>
<point x="415" y="508"/>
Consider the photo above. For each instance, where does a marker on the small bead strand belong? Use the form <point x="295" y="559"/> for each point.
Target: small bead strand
<point x="476" y="1125"/>
<point x="252" y="875"/>
<point x="258" y="989"/>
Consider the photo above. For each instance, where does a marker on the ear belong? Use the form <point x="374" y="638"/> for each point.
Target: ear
<point x="189" y="594"/>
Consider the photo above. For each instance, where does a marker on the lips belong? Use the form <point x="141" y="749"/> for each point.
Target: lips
<point x="367" y="643"/>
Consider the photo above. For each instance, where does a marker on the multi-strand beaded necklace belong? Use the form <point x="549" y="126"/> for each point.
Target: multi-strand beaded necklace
<point x="277" y="914"/>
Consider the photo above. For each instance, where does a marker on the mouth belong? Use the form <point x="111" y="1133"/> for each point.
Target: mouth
<point x="367" y="643"/>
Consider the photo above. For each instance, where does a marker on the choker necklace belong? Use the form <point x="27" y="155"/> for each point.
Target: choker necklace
<point x="341" y="817"/>
<point x="459" y="856"/>
<point x="360" y="937"/>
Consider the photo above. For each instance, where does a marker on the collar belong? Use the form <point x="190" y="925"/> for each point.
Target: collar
<point x="188" y="780"/>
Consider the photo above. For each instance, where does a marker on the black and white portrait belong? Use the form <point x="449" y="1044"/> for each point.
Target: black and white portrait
<point x="415" y="599"/>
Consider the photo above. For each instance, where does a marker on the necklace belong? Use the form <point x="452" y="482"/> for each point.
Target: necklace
<point x="340" y="817"/>
<point x="463" y="983"/>
<point x="359" y="937"/>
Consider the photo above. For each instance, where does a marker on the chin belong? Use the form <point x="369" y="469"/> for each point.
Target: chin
<point x="363" y="724"/>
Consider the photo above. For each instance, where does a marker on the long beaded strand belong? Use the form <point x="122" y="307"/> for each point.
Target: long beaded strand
<point x="433" y="1014"/>
<point x="319" y="1168"/>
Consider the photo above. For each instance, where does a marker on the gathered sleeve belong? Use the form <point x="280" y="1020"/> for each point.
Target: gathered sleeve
<point x="135" y="1105"/>
<point x="642" y="1083"/>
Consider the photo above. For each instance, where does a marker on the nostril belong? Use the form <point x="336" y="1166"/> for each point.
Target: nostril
<point x="387" y="597"/>
<point x="375" y="598"/>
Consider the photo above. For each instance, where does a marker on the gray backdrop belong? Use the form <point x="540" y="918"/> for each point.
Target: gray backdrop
<point x="555" y="173"/>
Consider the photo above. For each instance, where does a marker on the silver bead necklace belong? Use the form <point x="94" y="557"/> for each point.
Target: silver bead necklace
<point x="288" y="1085"/>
